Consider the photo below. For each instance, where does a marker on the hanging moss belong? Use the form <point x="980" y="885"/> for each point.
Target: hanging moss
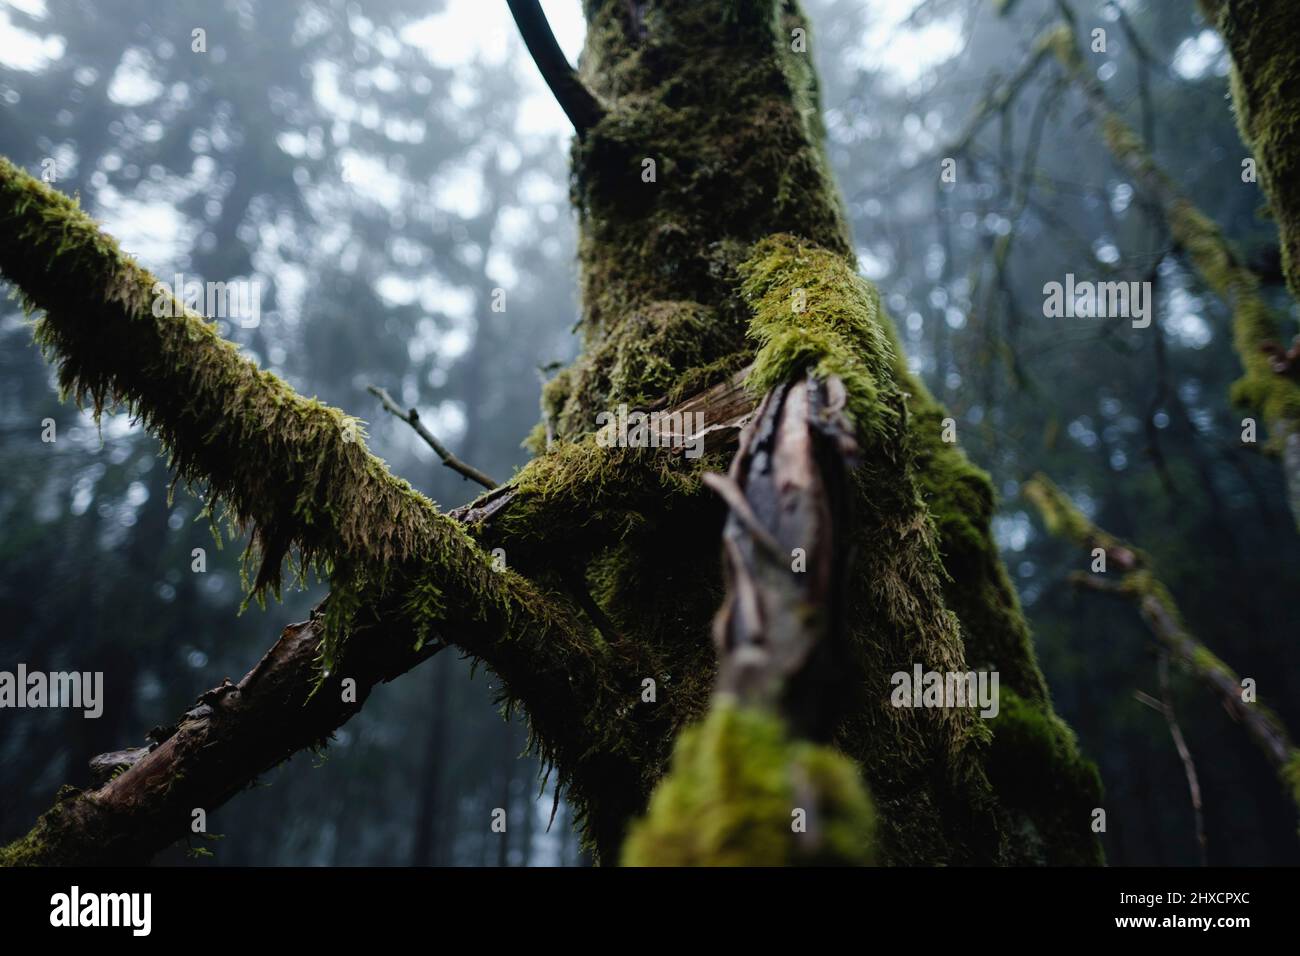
<point x="738" y="789"/>
<point x="297" y="475"/>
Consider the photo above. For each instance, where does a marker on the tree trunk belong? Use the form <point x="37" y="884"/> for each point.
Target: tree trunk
<point x="713" y="250"/>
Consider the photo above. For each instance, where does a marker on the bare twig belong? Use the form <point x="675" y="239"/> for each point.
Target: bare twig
<point x="1184" y="754"/>
<point x="578" y="102"/>
<point x="412" y="418"/>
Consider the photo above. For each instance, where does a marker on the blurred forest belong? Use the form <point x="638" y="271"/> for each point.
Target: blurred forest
<point x="383" y="168"/>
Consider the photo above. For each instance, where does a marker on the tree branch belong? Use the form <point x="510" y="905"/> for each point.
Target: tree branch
<point x="293" y="470"/>
<point x="579" y="495"/>
<point x="404" y="577"/>
<point x="1256" y="328"/>
<point x="578" y="102"/>
<point x="1138" y="583"/>
<point x="412" y="418"/>
<point x="1185" y="755"/>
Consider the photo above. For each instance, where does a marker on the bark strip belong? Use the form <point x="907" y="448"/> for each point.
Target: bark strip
<point x="785" y="555"/>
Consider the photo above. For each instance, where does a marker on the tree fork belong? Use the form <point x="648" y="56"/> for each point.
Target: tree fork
<point x="705" y="175"/>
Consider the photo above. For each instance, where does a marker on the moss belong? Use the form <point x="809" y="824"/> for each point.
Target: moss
<point x="644" y="357"/>
<point x="961" y="501"/>
<point x="730" y="117"/>
<point x="297" y="475"/>
<point x="1205" y="661"/>
<point x="46" y="843"/>
<point x="292" y="471"/>
<point x="811" y="312"/>
<point x="618" y="487"/>
<point x="1291" y="775"/>
<point x="1265" y="86"/>
<point x="1035" y="765"/>
<point x="732" y="795"/>
<point x="1063" y="518"/>
<point x="1157" y="606"/>
<point x="741" y="199"/>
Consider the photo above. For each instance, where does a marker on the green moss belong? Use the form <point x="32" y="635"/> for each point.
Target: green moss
<point x="1291" y="775"/>
<point x="1266" y="92"/>
<point x="297" y="475"/>
<point x="1063" y="518"/>
<point x="713" y="92"/>
<point x="733" y="795"/>
<point x="811" y="312"/>
<point x="1035" y="765"/>
<point x="730" y="118"/>
<point x="644" y="357"/>
<point x="1205" y="661"/>
<point x="961" y="501"/>
<point x="292" y="471"/>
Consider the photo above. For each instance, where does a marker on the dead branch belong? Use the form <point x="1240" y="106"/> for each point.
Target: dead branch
<point x="412" y="418"/>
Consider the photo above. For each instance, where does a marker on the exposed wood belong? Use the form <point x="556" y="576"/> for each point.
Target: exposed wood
<point x="727" y="408"/>
<point x="236" y="732"/>
<point x="785" y="554"/>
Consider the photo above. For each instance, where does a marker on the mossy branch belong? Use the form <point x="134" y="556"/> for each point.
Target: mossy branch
<point x="1137" y="582"/>
<point x="1265" y="83"/>
<point x="297" y="474"/>
<point x="1256" y="330"/>
<point x="292" y="470"/>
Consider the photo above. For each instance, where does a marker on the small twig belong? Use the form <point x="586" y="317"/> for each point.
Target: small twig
<point x="412" y="418"/>
<point x="1189" y="766"/>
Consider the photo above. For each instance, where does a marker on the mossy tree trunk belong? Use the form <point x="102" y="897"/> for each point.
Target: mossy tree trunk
<point x="714" y="252"/>
<point x="1266" y="93"/>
